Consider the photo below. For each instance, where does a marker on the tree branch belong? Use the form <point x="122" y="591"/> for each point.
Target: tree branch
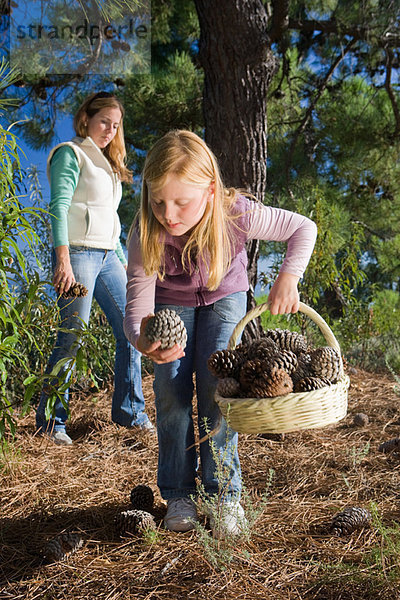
<point x="311" y="107"/>
<point x="280" y="19"/>
<point x="390" y="92"/>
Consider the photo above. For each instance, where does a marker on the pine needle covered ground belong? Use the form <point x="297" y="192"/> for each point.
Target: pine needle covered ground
<point x="47" y="490"/>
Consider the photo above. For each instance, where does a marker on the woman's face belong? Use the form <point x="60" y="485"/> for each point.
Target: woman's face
<point x="103" y="126"/>
<point x="179" y="206"/>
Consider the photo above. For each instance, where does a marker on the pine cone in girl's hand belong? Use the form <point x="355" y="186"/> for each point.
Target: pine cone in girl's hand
<point x="166" y="326"/>
<point x="77" y="290"/>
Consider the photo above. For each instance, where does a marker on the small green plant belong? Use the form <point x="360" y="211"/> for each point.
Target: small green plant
<point x="221" y="550"/>
<point x="357" y="454"/>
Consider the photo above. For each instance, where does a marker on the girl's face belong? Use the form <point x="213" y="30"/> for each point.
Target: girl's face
<point x="179" y="206"/>
<point x="103" y="126"/>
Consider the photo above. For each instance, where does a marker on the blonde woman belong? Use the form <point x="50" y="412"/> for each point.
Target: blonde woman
<point x="85" y="180"/>
<point x="187" y="252"/>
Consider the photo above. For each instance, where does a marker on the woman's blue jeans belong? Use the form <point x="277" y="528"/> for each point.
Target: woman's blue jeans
<point x="209" y="329"/>
<point x="103" y="274"/>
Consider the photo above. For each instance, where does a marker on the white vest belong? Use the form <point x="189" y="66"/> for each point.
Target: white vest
<point x="92" y="217"/>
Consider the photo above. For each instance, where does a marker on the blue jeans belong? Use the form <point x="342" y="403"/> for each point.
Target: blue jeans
<point x="209" y="329"/>
<point x="103" y="274"/>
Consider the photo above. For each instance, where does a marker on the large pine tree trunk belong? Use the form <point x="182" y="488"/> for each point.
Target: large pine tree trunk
<point x="238" y="66"/>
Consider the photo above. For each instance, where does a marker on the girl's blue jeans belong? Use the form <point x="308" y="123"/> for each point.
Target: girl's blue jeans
<point x="103" y="274"/>
<point x="209" y="329"/>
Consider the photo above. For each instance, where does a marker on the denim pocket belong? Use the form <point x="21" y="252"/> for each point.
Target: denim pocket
<point x="231" y="308"/>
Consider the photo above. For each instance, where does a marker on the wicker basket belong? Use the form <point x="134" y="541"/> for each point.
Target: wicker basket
<point x="298" y="410"/>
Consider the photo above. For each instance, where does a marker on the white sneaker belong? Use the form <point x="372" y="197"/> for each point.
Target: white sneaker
<point x="181" y="514"/>
<point x="230" y="520"/>
<point x="61" y="438"/>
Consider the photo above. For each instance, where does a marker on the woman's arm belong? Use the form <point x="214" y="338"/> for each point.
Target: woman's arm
<point x="64" y="176"/>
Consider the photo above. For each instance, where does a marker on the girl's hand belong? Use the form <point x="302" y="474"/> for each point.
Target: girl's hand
<point x="152" y="349"/>
<point x="284" y="295"/>
<point x="63" y="276"/>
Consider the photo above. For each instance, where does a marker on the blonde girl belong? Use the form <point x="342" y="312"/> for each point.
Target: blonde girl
<point x="187" y="252"/>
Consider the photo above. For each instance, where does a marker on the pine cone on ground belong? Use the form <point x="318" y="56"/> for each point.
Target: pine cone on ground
<point x="288" y="340"/>
<point x="166" y="326"/>
<point x="325" y="362"/>
<point x="229" y="388"/>
<point x="134" y="521"/>
<point x="142" y="498"/>
<point x="349" y="520"/>
<point x="224" y="363"/>
<point x="311" y="383"/>
<point x="62" y="546"/>
<point x="77" y="290"/>
<point x="361" y="420"/>
<point x="390" y="446"/>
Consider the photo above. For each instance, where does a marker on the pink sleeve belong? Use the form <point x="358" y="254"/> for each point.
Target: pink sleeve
<point x="279" y="225"/>
<point x="140" y="292"/>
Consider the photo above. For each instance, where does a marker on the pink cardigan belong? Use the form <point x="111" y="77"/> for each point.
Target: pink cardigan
<point x="180" y="287"/>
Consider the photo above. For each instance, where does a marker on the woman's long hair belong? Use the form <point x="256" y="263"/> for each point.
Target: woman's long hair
<point x="115" y="151"/>
<point x="185" y="155"/>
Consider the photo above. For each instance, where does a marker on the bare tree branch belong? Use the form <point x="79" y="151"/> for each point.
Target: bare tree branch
<point x="280" y="19"/>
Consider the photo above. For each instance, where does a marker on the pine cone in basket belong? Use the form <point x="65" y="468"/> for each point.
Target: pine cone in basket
<point x="262" y="348"/>
<point x="62" y="546"/>
<point x="229" y="388"/>
<point x="325" y="362"/>
<point x="349" y="520"/>
<point x="225" y="363"/>
<point x="142" y="497"/>
<point x="390" y="446"/>
<point x="77" y="290"/>
<point x="285" y="360"/>
<point x="134" y="521"/>
<point x="250" y="371"/>
<point x="311" y="383"/>
<point x="288" y="340"/>
<point x="167" y="326"/>
<point x="276" y="382"/>
<point x="303" y="368"/>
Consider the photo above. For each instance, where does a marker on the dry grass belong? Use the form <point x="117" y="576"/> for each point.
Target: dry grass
<point x="46" y="490"/>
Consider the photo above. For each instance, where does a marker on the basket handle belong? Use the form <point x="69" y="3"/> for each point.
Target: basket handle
<point x="307" y="310"/>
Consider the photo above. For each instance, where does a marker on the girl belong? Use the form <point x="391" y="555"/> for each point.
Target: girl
<point x="85" y="179"/>
<point x="187" y="252"/>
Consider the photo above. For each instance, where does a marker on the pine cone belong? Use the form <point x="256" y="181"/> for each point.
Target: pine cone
<point x="276" y="382"/>
<point x="134" y="521"/>
<point x="303" y="368"/>
<point x="62" y="546"/>
<point x="361" y="420"/>
<point x="142" y="498"/>
<point x="224" y="363"/>
<point x="167" y="326"/>
<point x="349" y="520"/>
<point x="325" y="362"/>
<point x="285" y="360"/>
<point x="390" y="446"/>
<point x="262" y="348"/>
<point x="288" y="340"/>
<point x="243" y="350"/>
<point x="311" y="383"/>
<point x="250" y="371"/>
<point x="229" y="388"/>
<point x="77" y="290"/>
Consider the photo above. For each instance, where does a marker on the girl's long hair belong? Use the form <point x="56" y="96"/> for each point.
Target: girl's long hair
<point x="115" y="151"/>
<point x="185" y="155"/>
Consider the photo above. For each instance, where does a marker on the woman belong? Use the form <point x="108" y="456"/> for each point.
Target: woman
<point x="85" y="180"/>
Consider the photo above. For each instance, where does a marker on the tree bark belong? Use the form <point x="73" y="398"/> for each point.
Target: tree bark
<point x="235" y="53"/>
